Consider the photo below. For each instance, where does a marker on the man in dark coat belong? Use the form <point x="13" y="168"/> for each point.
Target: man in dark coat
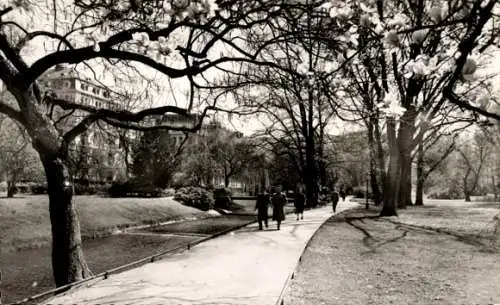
<point x="299" y="203"/>
<point x="335" y="200"/>
<point x="263" y="201"/>
<point x="342" y="195"/>
<point x="278" y="201"/>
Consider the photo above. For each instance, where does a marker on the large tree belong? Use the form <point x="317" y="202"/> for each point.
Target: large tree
<point x="177" y="39"/>
<point x="416" y="54"/>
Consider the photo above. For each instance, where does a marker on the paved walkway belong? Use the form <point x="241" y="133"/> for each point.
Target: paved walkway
<point x="244" y="267"/>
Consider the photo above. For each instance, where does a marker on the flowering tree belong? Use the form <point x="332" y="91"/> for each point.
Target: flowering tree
<point x="175" y="39"/>
<point x="416" y="55"/>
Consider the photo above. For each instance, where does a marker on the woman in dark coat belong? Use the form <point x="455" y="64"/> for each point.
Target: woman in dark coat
<point x="263" y="201"/>
<point x="278" y="201"/>
<point x="299" y="203"/>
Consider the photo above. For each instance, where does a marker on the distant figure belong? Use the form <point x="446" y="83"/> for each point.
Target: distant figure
<point x="342" y="195"/>
<point x="263" y="201"/>
<point x="299" y="203"/>
<point x="278" y="201"/>
<point x="335" y="200"/>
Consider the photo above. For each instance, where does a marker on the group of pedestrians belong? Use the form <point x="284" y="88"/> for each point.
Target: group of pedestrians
<point x="336" y="197"/>
<point x="278" y="200"/>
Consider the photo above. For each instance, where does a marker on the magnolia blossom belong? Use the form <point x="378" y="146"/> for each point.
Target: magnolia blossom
<point x="469" y="67"/>
<point x="483" y="101"/>
<point x="342" y="12"/>
<point x="419" y="36"/>
<point x="390" y="106"/>
<point x="438" y="13"/>
<point x="392" y="39"/>
<point x="367" y="9"/>
<point x="141" y="37"/>
<point x="303" y="68"/>
<point x="421" y="66"/>
<point x="399" y="20"/>
<point x="393" y="110"/>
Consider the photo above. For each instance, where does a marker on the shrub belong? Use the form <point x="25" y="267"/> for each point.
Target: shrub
<point x="134" y="188"/>
<point x="448" y="194"/>
<point x="169" y="192"/>
<point x="39" y="189"/>
<point x="90" y="189"/>
<point x="222" y="197"/>
<point x="196" y="197"/>
<point x="359" y="192"/>
<point x="222" y="192"/>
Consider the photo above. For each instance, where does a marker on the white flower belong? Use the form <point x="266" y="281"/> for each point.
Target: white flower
<point x="419" y="36"/>
<point x="379" y="28"/>
<point x="483" y="101"/>
<point x="350" y="53"/>
<point x="366" y="9"/>
<point x="398" y="20"/>
<point x="469" y="67"/>
<point x="392" y="38"/>
<point x="435" y="13"/>
<point x="343" y="12"/>
<point x="141" y="37"/>
<point x="394" y="110"/>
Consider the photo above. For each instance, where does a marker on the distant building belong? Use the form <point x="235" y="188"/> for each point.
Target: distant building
<point x="98" y="151"/>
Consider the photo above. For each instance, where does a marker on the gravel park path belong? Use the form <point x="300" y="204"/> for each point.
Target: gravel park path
<point x="247" y="266"/>
<point x="444" y="253"/>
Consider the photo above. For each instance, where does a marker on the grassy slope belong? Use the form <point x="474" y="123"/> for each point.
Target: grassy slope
<point x="24" y="221"/>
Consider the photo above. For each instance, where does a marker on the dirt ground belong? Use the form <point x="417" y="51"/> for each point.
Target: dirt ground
<point x="446" y="253"/>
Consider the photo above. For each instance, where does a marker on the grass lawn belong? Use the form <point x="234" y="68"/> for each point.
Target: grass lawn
<point x="447" y="253"/>
<point x="205" y="226"/>
<point x="25" y="223"/>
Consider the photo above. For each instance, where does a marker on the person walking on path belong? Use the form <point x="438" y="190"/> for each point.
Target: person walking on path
<point x="278" y="201"/>
<point x="335" y="200"/>
<point x="299" y="203"/>
<point x="263" y="201"/>
<point x="342" y="195"/>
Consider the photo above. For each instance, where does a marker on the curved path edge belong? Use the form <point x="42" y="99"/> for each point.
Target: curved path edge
<point x="246" y="266"/>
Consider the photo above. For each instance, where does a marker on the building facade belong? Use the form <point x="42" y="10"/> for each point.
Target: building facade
<point x="96" y="153"/>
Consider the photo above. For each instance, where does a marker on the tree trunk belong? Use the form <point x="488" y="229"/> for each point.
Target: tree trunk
<point x="377" y="194"/>
<point x="405" y="184"/>
<point x="380" y="153"/>
<point x="68" y="263"/>
<point x="392" y="179"/>
<point x="495" y="192"/>
<point x="391" y="185"/>
<point x="420" y="176"/>
<point x="311" y="174"/>
<point x="226" y="181"/>
<point x="466" y="185"/>
<point x="404" y="140"/>
<point x="11" y="188"/>
<point x="467" y="197"/>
